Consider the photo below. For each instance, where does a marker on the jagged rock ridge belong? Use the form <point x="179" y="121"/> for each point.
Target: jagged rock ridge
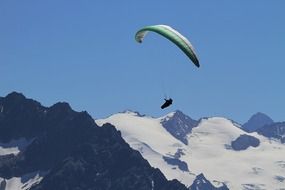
<point x="179" y="125"/>
<point x="76" y="153"/>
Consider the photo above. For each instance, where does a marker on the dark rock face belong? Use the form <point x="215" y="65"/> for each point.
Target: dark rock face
<point x="280" y="178"/>
<point x="77" y="153"/>
<point x="108" y="165"/>
<point x="257" y="121"/>
<point x="179" y="125"/>
<point x="275" y="130"/>
<point x="176" y="162"/>
<point x="20" y="117"/>
<point x="244" y="141"/>
<point x="3" y="185"/>
<point x="201" y="183"/>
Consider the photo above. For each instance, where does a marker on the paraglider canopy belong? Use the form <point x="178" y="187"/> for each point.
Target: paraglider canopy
<point x="174" y="36"/>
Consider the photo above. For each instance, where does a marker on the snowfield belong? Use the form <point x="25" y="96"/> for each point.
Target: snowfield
<point x="146" y="135"/>
<point x="21" y="183"/>
<point x="27" y="180"/>
<point x="208" y="152"/>
<point x="14" y="146"/>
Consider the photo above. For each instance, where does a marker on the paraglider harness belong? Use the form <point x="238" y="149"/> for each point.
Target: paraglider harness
<point x="167" y="103"/>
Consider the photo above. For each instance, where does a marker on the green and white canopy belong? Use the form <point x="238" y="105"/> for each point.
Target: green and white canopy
<point x="172" y="35"/>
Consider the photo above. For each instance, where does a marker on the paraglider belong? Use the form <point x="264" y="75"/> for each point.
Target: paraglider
<point x="167" y="103"/>
<point x="174" y="36"/>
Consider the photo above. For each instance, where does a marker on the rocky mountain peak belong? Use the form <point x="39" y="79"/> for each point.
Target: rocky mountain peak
<point x="179" y="125"/>
<point x="257" y="121"/>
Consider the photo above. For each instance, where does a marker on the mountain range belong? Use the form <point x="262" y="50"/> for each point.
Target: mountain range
<point x="226" y="154"/>
<point x="58" y="148"/>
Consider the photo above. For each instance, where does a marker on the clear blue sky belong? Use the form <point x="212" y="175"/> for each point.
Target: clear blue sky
<point x="84" y="52"/>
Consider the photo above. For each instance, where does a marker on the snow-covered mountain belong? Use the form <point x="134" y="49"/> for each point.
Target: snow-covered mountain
<point x="211" y="150"/>
<point x="155" y="143"/>
<point x="264" y="125"/>
<point x="275" y="130"/>
<point x="179" y="125"/>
